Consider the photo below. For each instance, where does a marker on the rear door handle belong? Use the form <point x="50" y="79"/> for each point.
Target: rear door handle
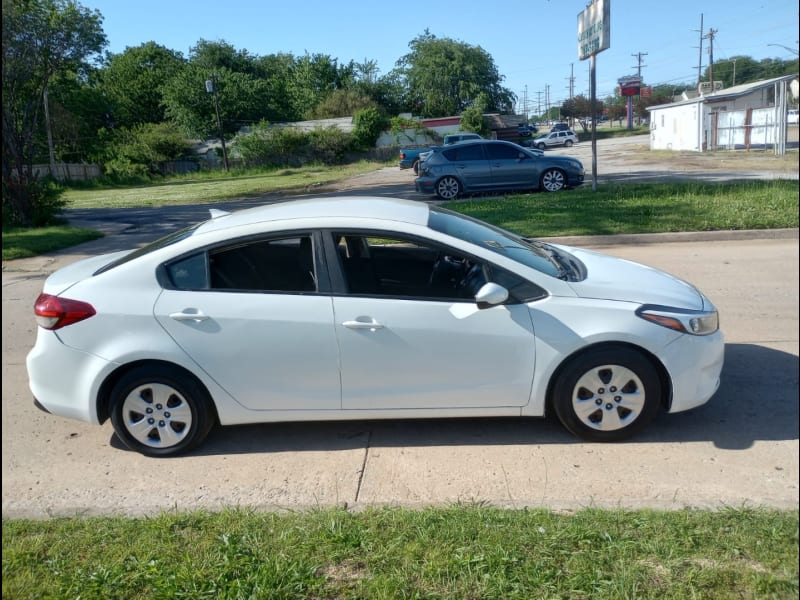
<point x="372" y="324"/>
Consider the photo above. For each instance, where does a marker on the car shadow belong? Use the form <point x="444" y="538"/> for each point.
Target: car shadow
<point x="756" y="401"/>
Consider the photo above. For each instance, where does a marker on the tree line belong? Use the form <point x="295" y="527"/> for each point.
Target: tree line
<point x="66" y="99"/>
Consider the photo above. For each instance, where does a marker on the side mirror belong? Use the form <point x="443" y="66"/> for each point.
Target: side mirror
<point x="490" y="295"/>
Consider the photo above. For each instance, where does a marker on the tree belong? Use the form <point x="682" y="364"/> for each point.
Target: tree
<point x="313" y="77"/>
<point x="41" y="39"/>
<point x="580" y="108"/>
<point x="444" y="76"/>
<point x="132" y="81"/>
<point x="241" y="94"/>
<point x="341" y="103"/>
<point x="472" y="118"/>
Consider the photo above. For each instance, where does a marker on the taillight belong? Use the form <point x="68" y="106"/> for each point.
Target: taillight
<point x="53" y="312"/>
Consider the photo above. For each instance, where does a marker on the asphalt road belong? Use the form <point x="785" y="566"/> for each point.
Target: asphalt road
<point x="741" y="449"/>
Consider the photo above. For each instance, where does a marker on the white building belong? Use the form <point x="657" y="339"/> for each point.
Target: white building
<point x="744" y="116"/>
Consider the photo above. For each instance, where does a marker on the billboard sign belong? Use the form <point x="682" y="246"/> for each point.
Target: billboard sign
<point x="594" y="29"/>
<point x="629" y="86"/>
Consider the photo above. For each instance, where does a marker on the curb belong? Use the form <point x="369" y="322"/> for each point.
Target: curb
<point x="600" y="241"/>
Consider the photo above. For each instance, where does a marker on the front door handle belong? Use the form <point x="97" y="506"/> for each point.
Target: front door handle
<point x="195" y="316"/>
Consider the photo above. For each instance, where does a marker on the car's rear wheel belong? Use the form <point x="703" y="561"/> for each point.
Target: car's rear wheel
<point x="568" y="143"/>
<point x="541" y="146"/>
<point x="553" y="180"/>
<point x="607" y="394"/>
<point x="448" y="188"/>
<point x="160" y="411"/>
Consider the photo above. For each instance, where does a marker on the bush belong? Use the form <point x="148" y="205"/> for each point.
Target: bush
<point x="290" y="147"/>
<point x="368" y="124"/>
<point x="40" y="198"/>
<point x="328" y="145"/>
<point x="139" y="151"/>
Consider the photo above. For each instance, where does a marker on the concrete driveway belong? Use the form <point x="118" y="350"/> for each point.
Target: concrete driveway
<point x="741" y="449"/>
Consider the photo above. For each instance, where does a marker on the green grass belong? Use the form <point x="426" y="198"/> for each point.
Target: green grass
<point x="213" y="186"/>
<point x="642" y="208"/>
<point x="24" y="243"/>
<point x="456" y="552"/>
<point x="612" y="209"/>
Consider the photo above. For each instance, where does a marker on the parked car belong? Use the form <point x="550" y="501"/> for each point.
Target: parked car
<point x="560" y="127"/>
<point x="365" y="308"/>
<point x="526" y="129"/>
<point x="494" y="165"/>
<point x="409" y="158"/>
<point x="555" y="138"/>
<point x="454" y="138"/>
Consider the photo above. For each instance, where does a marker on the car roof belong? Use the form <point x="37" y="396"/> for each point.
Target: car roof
<point x="370" y="207"/>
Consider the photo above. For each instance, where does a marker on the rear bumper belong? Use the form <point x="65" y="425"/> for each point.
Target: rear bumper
<point x="424" y="185"/>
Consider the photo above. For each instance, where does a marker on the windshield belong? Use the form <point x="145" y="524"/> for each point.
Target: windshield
<point x="536" y="255"/>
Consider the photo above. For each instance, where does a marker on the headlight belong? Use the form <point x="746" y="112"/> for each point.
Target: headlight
<point x="694" y="322"/>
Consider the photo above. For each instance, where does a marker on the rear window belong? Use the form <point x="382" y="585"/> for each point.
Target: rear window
<point x="163" y="242"/>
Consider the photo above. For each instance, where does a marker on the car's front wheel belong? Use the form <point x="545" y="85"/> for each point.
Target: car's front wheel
<point x="607" y="394"/>
<point x="553" y="180"/>
<point x="448" y="188"/>
<point x="416" y="167"/>
<point x="160" y="411"/>
<point x="541" y="146"/>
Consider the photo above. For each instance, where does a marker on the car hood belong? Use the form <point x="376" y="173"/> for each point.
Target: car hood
<point x="613" y="278"/>
<point x="61" y="280"/>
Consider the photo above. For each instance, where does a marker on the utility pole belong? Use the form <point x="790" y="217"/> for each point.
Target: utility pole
<point x="539" y="104"/>
<point x="525" y="103"/>
<point x="571" y="80"/>
<point x="710" y="36"/>
<point x="211" y="88"/>
<point x="49" y="129"/>
<point x="547" y="100"/>
<point x="700" y="62"/>
<point x="639" y="66"/>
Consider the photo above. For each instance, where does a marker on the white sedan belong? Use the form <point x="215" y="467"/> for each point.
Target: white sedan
<point x="365" y="308"/>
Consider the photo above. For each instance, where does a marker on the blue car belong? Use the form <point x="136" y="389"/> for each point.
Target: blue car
<point x="494" y="165"/>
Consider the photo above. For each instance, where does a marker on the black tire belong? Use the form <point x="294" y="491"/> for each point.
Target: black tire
<point x="415" y="166"/>
<point x="553" y="180"/>
<point x="448" y="188"/>
<point x="607" y="394"/>
<point x="541" y="146"/>
<point x="568" y="143"/>
<point x="157" y="410"/>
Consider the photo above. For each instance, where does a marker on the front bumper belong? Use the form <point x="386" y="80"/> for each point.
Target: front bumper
<point x="695" y="364"/>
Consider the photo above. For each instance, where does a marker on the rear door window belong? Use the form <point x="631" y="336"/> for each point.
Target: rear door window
<point x="464" y="153"/>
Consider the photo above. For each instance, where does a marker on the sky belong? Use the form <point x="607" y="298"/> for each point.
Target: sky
<point x="533" y="43"/>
